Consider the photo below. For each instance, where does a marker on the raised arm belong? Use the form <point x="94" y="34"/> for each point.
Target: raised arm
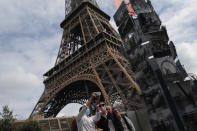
<point x="91" y="98"/>
<point x="98" y="99"/>
<point x="85" y="107"/>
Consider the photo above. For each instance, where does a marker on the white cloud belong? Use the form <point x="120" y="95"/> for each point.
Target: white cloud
<point x="30" y="17"/>
<point x="30" y="37"/>
<point x="19" y="89"/>
<point x="180" y="18"/>
<point x="107" y="6"/>
<point x="23" y="62"/>
<point x="28" y="52"/>
<point x="187" y="53"/>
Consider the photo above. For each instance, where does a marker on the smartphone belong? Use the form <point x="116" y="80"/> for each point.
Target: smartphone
<point x="98" y="93"/>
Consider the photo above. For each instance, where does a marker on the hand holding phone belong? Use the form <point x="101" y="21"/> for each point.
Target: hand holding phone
<point x="98" y="93"/>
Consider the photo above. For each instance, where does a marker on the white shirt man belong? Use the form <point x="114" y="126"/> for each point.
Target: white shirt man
<point x="85" y="123"/>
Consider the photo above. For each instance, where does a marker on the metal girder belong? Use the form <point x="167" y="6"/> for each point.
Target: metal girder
<point x="88" y="27"/>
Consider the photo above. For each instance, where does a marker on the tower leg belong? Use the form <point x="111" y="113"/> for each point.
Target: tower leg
<point x="106" y="97"/>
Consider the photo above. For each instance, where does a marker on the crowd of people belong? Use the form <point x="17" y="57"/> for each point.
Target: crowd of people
<point x="104" y="118"/>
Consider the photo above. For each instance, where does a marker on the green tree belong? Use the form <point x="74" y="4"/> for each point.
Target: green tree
<point x="6" y="119"/>
<point x="30" y="126"/>
<point x="7" y="114"/>
<point x="7" y="122"/>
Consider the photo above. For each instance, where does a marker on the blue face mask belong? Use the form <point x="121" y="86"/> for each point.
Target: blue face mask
<point x="87" y="112"/>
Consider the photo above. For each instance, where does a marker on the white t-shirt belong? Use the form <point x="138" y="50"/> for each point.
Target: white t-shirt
<point x="111" y="125"/>
<point x="85" y="123"/>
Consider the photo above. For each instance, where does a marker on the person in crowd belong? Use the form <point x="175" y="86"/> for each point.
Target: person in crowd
<point x="85" y="122"/>
<point x="126" y="123"/>
<point x="106" y="121"/>
<point x="74" y="125"/>
<point x="112" y="120"/>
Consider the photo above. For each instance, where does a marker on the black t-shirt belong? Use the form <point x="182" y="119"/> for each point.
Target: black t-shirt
<point x="103" y="123"/>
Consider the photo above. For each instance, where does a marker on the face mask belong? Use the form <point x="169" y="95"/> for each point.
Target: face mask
<point x="87" y="112"/>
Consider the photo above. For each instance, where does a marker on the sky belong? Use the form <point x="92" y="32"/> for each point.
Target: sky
<point x="30" y="37"/>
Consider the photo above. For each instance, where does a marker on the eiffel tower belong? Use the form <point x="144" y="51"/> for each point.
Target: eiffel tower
<point x="90" y="58"/>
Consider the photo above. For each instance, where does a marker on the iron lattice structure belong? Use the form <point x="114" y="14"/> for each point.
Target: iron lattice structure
<point x="70" y="5"/>
<point x="89" y="59"/>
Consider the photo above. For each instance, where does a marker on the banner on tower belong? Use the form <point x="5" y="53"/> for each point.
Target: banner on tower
<point x="128" y="4"/>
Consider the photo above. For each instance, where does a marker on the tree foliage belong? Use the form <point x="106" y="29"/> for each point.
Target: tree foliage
<point x="30" y="126"/>
<point x="7" y="122"/>
<point x="7" y="114"/>
<point x="6" y="119"/>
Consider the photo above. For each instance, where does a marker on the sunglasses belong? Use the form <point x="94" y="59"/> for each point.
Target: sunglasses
<point x="116" y="110"/>
<point x="101" y="105"/>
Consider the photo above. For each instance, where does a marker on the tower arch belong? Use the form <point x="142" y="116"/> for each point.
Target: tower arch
<point x="75" y="92"/>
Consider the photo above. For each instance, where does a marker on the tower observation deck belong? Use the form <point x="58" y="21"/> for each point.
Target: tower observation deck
<point x="70" y="5"/>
